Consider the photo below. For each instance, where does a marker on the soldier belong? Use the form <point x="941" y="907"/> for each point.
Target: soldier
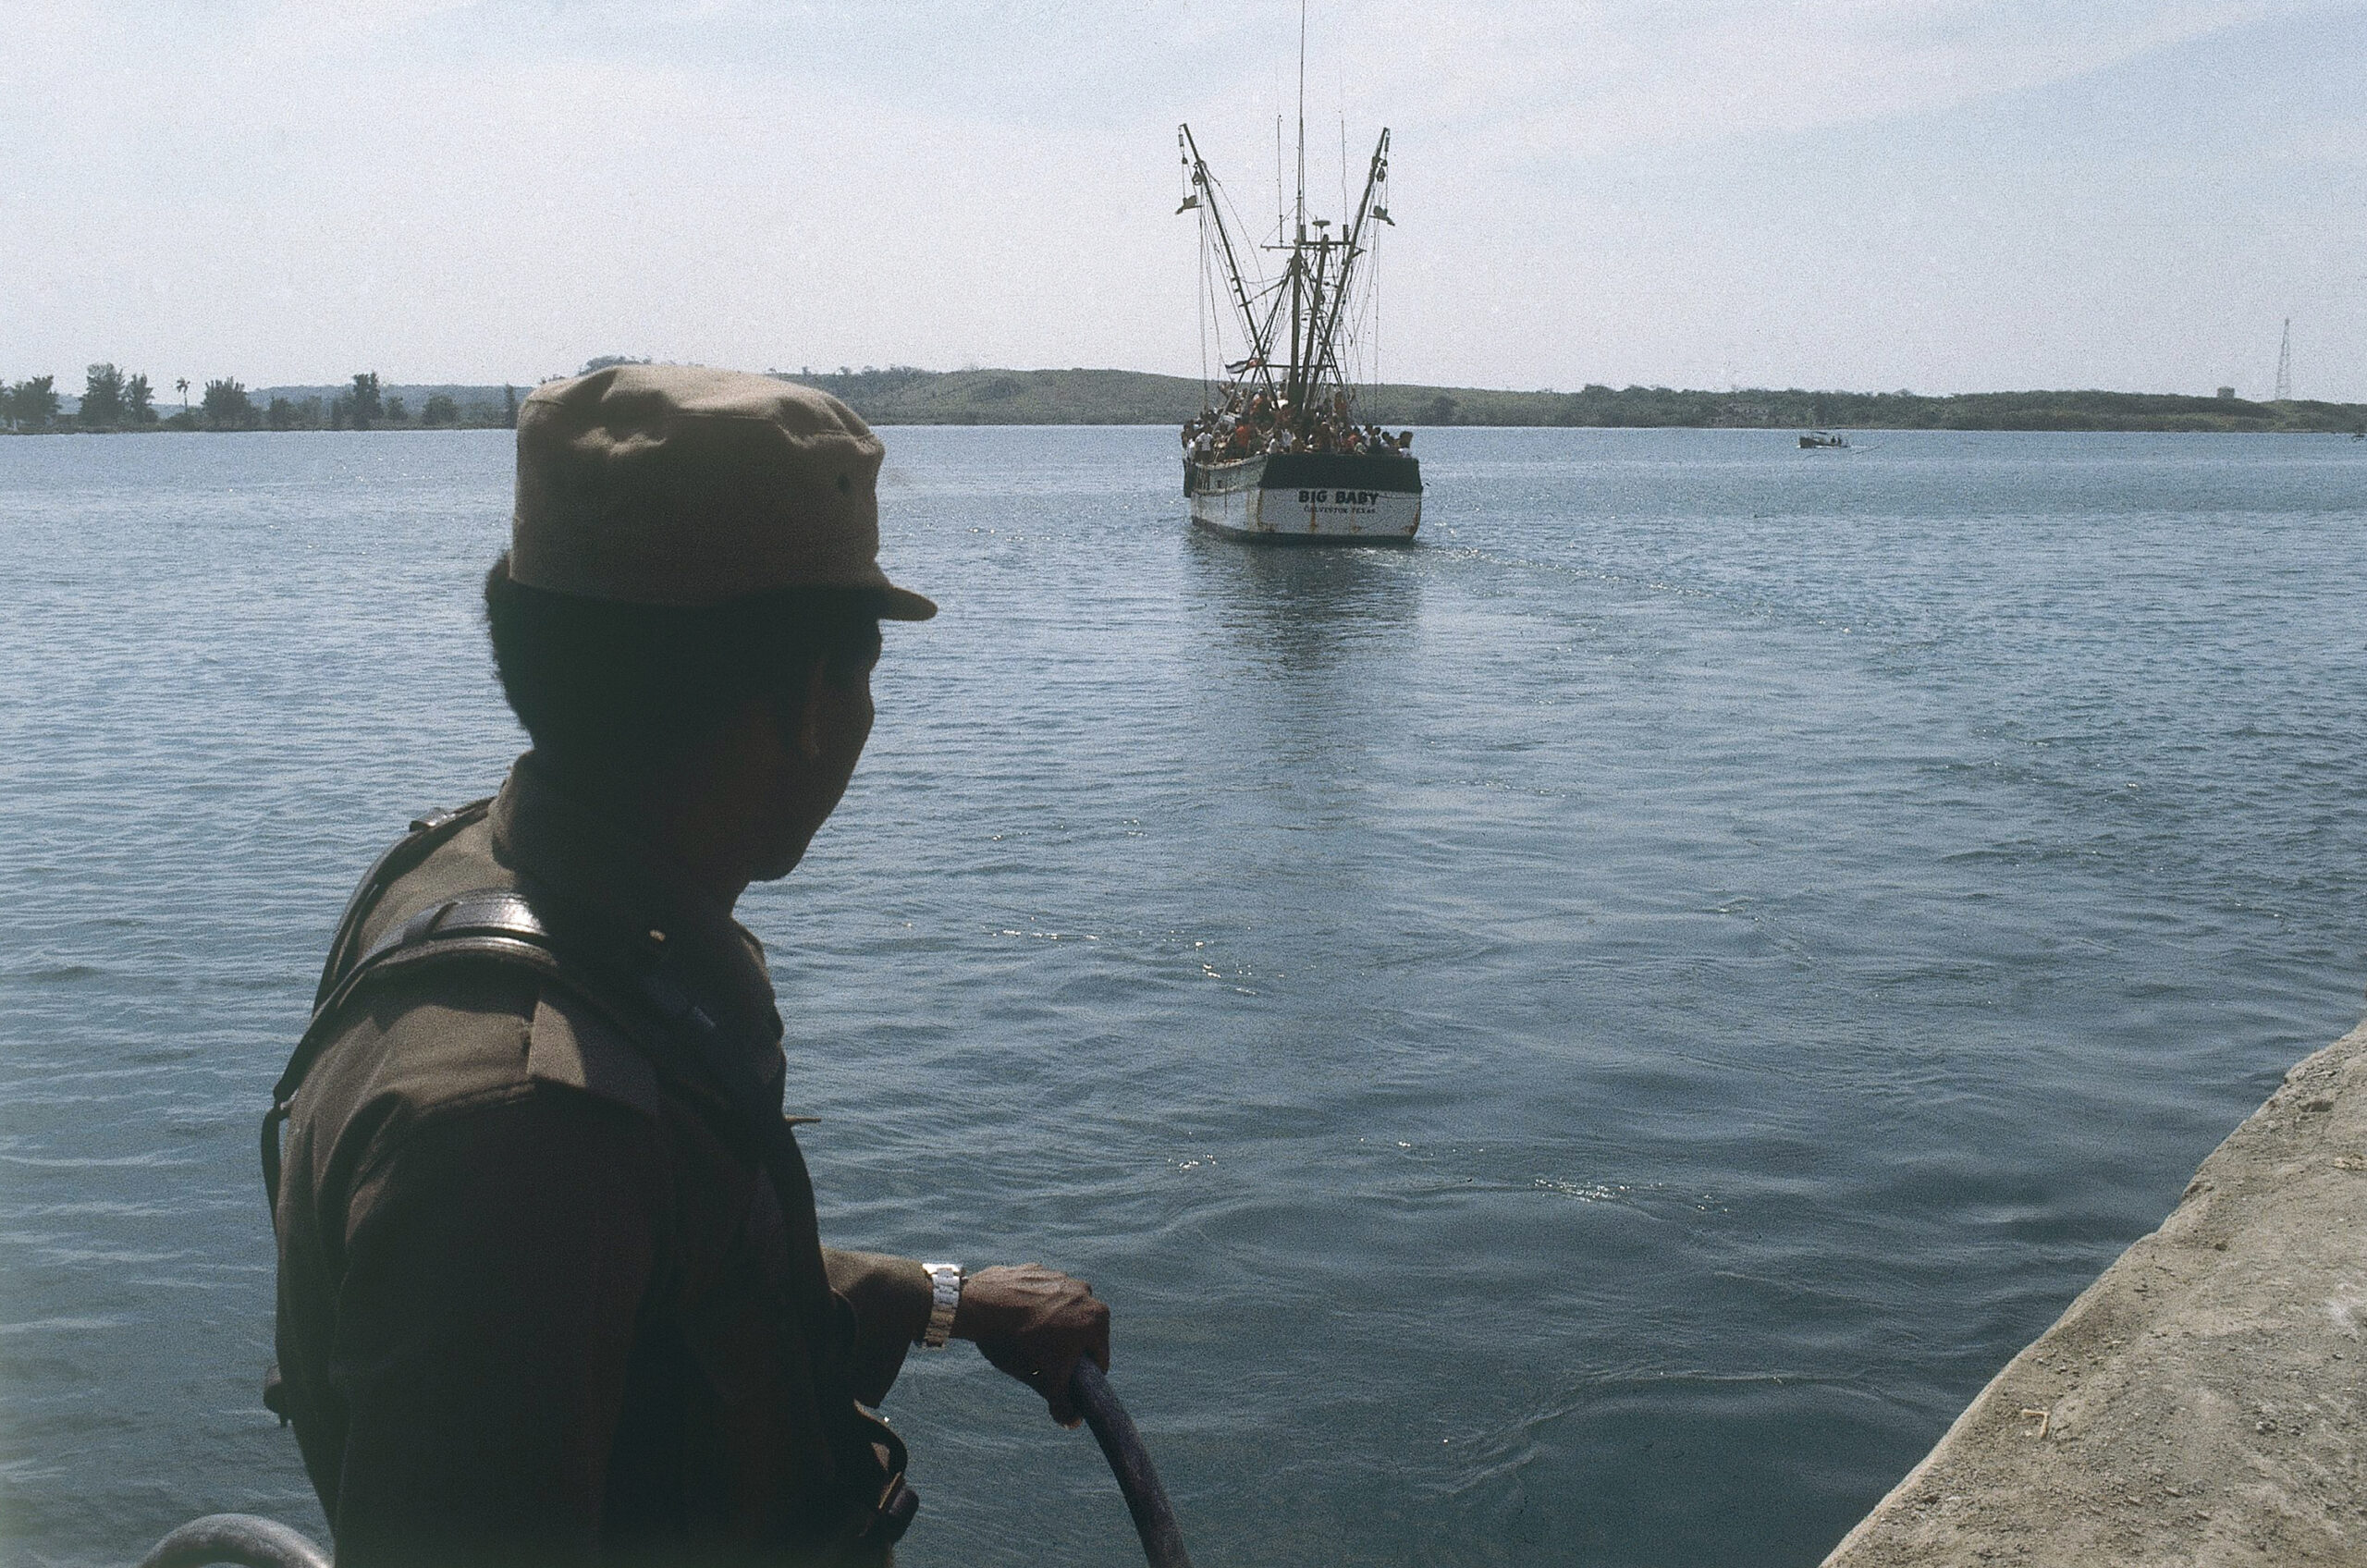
<point x="550" y="1286"/>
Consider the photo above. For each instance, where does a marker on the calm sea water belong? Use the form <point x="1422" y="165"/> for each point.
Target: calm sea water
<point x="1586" y="1040"/>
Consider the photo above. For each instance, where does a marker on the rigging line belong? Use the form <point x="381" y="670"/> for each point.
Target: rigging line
<point x="1232" y="214"/>
<point x="1368" y="330"/>
<point x="1204" y="313"/>
<point x="1298" y="239"/>
<point x="1232" y="268"/>
<point x="1256" y="272"/>
<point x="1200" y="282"/>
<point x="1357" y="322"/>
<point x="1256" y="333"/>
<point x="1220" y="307"/>
<point x="1211" y="302"/>
<point x="1372" y="306"/>
<point x="1375" y="182"/>
<point x="1211" y="323"/>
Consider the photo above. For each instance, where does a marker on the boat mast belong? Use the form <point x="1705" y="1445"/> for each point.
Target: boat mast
<point x="1315" y="282"/>
<point x="1298" y="233"/>
<point x="1319" y="276"/>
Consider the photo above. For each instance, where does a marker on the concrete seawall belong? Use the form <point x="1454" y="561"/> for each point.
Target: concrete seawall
<point x="2201" y="1403"/>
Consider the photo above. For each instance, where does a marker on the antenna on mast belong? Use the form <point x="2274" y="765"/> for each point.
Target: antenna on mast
<point x="2285" y="365"/>
<point x="1303" y="124"/>
<point x="1302" y="119"/>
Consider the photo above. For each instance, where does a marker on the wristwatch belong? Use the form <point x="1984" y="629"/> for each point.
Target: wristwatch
<point x="945" y="1299"/>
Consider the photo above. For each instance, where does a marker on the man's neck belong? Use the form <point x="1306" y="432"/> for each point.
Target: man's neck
<point x="681" y="818"/>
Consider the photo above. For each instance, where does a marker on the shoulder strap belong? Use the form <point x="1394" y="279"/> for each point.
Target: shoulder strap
<point x="490" y="923"/>
<point x="645" y="1004"/>
<point x="426" y="834"/>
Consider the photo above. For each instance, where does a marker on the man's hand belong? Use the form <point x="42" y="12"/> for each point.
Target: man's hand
<point x="1035" y="1323"/>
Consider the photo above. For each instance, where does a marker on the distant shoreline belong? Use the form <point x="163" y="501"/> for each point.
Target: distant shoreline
<point x="69" y="428"/>
<point x="901" y="396"/>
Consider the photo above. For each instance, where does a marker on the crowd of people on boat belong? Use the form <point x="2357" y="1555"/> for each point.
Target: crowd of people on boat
<point x="1261" y="422"/>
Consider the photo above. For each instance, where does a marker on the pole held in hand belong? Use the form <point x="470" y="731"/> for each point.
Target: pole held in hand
<point x="1130" y="1462"/>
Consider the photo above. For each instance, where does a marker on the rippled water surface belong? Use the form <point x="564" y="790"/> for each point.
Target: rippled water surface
<point x="1587" y="1039"/>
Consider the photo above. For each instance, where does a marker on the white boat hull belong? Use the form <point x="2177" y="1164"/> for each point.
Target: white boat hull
<point x="1309" y="498"/>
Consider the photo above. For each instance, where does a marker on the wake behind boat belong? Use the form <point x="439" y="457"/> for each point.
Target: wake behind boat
<point x="1277" y="452"/>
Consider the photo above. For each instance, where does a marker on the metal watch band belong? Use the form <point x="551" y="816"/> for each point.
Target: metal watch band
<point x="945" y="1299"/>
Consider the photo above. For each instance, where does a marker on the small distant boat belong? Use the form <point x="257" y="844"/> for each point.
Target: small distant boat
<point x="1824" y="438"/>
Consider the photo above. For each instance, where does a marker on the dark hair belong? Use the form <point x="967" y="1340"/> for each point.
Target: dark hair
<point x="625" y="690"/>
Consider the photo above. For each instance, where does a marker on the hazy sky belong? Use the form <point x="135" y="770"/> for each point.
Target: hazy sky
<point x="1943" y="195"/>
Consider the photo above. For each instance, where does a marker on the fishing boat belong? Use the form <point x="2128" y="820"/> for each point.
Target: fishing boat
<point x="1278" y="452"/>
<point x="1823" y="439"/>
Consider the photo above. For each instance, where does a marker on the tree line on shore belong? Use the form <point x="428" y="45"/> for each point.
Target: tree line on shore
<point x="114" y="401"/>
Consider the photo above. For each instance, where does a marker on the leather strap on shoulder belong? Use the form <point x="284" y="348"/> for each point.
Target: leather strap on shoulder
<point x="490" y="925"/>
<point x="500" y="925"/>
<point x="489" y="922"/>
<point x="405" y="853"/>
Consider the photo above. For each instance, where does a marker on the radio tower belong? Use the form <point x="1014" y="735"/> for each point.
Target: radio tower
<point x="2285" y="365"/>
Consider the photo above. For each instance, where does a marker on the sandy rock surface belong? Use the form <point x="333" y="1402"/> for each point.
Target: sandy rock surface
<point x="2200" y="1403"/>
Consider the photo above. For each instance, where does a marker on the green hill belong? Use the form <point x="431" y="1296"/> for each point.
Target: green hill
<point x="904" y="396"/>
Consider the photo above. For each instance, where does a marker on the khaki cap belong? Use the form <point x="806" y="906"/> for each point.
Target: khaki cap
<point x="664" y="485"/>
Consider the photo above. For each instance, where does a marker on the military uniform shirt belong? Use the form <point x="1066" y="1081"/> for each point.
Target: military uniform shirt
<point x="533" y="1297"/>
